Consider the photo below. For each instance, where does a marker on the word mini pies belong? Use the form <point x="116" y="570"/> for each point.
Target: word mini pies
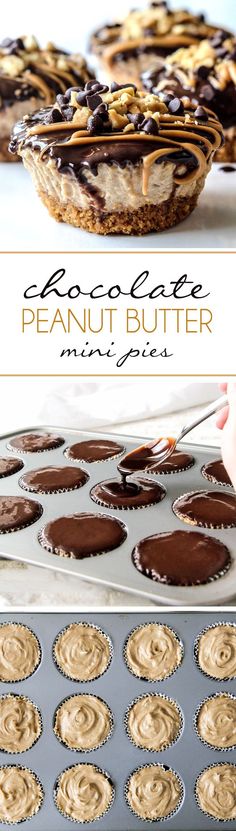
<point x="31" y="77"/>
<point x="205" y="74"/>
<point x="118" y="159"/>
<point x="145" y="36"/>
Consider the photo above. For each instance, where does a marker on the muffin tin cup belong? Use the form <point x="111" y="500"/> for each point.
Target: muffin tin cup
<point x="30" y="489"/>
<point x="129" y="507"/>
<point x="172" y="813"/>
<point x="13" y="472"/>
<point x="32" y="452"/>
<point x="85" y="821"/>
<point x="24" y="524"/>
<point x="23" y="698"/>
<point x="214" y="481"/>
<point x="196" y="647"/>
<point x="96" y="461"/>
<point x="205" y="813"/>
<point x="143" y="677"/>
<point x="187" y="521"/>
<point x="24" y="677"/>
<point x="168" y="744"/>
<point x="70" y="556"/>
<point x="86" y="749"/>
<point x="96" y="677"/>
<point x="26" y="819"/>
<point x="216" y="748"/>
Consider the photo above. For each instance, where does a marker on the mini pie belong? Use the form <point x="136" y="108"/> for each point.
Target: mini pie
<point x="82" y="652"/>
<point x="216" y="721"/>
<point x="118" y="160"/>
<point x="216" y="651"/>
<point x="206" y="75"/>
<point x="83" y="793"/>
<point x="154" y="792"/>
<point x="145" y="36"/>
<point x="21" y="794"/>
<point x="216" y="791"/>
<point x="19" y="652"/>
<point x="83" y="722"/>
<point x="153" y="722"/>
<point x="20" y="723"/>
<point x="30" y="77"/>
<point x="153" y="652"/>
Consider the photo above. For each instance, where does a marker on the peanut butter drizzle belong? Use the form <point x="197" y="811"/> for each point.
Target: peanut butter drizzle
<point x="166" y="41"/>
<point x="41" y="85"/>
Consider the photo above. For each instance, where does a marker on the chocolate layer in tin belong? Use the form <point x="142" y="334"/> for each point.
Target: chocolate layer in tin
<point x="82" y="535"/>
<point x="181" y="558"/>
<point x="138" y="493"/>
<point x="53" y="479"/>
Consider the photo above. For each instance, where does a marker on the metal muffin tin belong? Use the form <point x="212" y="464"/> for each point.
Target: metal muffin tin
<point x="115" y="568"/>
<point x="118" y="687"/>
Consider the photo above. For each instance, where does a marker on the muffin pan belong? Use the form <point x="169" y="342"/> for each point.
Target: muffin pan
<point x="116" y="568"/>
<point x="188" y="757"/>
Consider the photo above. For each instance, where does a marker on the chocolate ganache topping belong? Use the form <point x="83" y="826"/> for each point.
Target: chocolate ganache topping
<point x="95" y="450"/>
<point x="216" y="472"/>
<point x="138" y="493"/>
<point x="8" y="466"/>
<point x="181" y="558"/>
<point x="27" y="71"/>
<point x="35" y="442"/>
<point x="212" y="509"/>
<point x="82" y="535"/>
<point x="16" y="512"/>
<point x="204" y="74"/>
<point x="53" y="479"/>
<point x="119" y="125"/>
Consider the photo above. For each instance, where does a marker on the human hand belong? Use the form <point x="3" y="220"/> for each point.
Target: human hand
<point x="226" y="421"/>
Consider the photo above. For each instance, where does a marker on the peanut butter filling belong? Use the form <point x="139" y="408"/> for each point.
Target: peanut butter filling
<point x="216" y="791"/>
<point x="153" y="652"/>
<point x="19" y="652"/>
<point x="154" y="722"/>
<point x="20" y="723"/>
<point x="21" y="794"/>
<point x="83" y="722"/>
<point x="82" y="652"/>
<point x="154" y="792"/>
<point x="84" y="793"/>
<point x="216" y="651"/>
<point x="216" y="721"/>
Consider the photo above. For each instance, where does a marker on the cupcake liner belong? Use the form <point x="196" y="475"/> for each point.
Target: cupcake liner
<point x="143" y="677"/>
<point x="30" y="700"/>
<point x="41" y="450"/>
<point x="97" y="629"/>
<point x="82" y="749"/>
<point x="214" y="481"/>
<point x="25" y="524"/>
<point x="23" y="626"/>
<point x="113" y="507"/>
<point x="68" y="556"/>
<point x="196" y="648"/>
<point x="97" y="769"/>
<point x="148" y="572"/>
<point x="29" y="770"/>
<point x="30" y="489"/>
<point x="165" y="698"/>
<point x="164" y="767"/>
<point x="195" y="721"/>
<point x="96" y="461"/>
<point x="199" y="523"/>
<point x="208" y="767"/>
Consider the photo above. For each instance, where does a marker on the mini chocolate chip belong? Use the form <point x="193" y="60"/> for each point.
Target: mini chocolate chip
<point x="70" y="90"/>
<point x="136" y="119"/>
<point x="221" y="52"/>
<point x="68" y="112"/>
<point x="201" y="114"/>
<point x="81" y="99"/>
<point x="203" y="72"/>
<point x="149" y="31"/>
<point x="54" y="116"/>
<point x="93" y="101"/>
<point x="13" y="46"/>
<point x="232" y="55"/>
<point x="94" y="124"/>
<point x="166" y="97"/>
<point x="150" y="126"/>
<point x="176" y="106"/>
<point x="102" y="111"/>
<point x="201" y="18"/>
<point x="207" y="92"/>
<point x="218" y="39"/>
<point x="62" y="100"/>
<point x="114" y="86"/>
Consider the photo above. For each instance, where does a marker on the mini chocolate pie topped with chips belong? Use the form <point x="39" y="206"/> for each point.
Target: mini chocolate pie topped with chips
<point x="211" y="509"/>
<point x="30" y="77"/>
<point x="53" y="479"/>
<point x="215" y="472"/>
<point x="204" y="74"/>
<point x="95" y="450"/>
<point x="35" y="442"/>
<point x="135" y="493"/>
<point x="118" y="159"/>
<point x="82" y="535"/>
<point x="181" y="558"/>
<point x="9" y="466"/>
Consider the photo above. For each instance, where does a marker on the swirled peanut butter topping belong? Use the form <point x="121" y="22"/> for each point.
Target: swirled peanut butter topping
<point x="21" y="794"/>
<point x="84" y="793"/>
<point x="82" y="652"/>
<point x="20" y="723"/>
<point x="99" y="115"/>
<point x="27" y="70"/>
<point x="83" y="722"/>
<point x="216" y="721"/>
<point x="154" y="722"/>
<point x="216" y="652"/>
<point x="216" y="791"/>
<point x="153" y="652"/>
<point x="19" y="652"/>
<point x="154" y="792"/>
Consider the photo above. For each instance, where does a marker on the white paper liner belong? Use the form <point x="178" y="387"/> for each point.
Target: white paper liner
<point x="97" y="629"/>
<point x="196" y="649"/>
<point x="211" y="816"/>
<point x="165" y="698"/>
<point x="164" y="767"/>
<point x="23" y="626"/>
<point x="100" y="743"/>
<point x="25" y="819"/>
<point x="99" y="770"/>
<point x="30" y="701"/>
<point x="176" y="637"/>
<point x="196" y="716"/>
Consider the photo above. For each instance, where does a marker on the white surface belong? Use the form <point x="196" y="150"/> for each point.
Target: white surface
<point x="26" y="225"/>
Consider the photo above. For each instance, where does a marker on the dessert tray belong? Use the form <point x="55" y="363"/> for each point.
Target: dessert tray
<point x="115" y="568"/>
<point x="47" y="687"/>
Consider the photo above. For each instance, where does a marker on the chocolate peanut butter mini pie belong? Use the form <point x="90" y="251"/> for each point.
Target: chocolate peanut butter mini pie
<point x="204" y="74"/>
<point x="53" y="479"/>
<point x="35" y="442"/>
<point x="82" y="535"/>
<point x="153" y="722"/>
<point x="20" y="652"/>
<point x="215" y="472"/>
<point x="30" y="77"/>
<point x="215" y="791"/>
<point x="209" y="509"/>
<point x="20" y="723"/>
<point x="83" y="793"/>
<point x="154" y="792"/>
<point x="153" y="652"/>
<point x="21" y="794"/>
<point x="130" y="495"/>
<point x="8" y="466"/>
<point x="94" y="450"/>
<point x="16" y="513"/>
<point x="215" y="721"/>
<point x="83" y="722"/>
<point x="118" y="160"/>
<point x="82" y="652"/>
<point x="215" y="651"/>
<point x="181" y="558"/>
<point x="145" y="36"/>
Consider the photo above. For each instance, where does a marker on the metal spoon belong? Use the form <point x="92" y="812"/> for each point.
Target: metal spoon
<point x="158" y="450"/>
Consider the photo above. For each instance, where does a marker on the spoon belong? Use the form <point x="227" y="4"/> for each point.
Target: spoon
<point x="157" y="450"/>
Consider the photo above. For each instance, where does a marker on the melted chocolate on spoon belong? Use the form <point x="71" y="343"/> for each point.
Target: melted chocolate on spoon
<point x="146" y="456"/>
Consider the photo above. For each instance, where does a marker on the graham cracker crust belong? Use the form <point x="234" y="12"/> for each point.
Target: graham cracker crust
<point x="142" y="221"/>
<point x="5" y="156"/>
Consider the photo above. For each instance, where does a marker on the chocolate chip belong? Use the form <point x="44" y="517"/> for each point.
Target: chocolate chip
<point x="81" y="99"/>
<point x="201" y="18"/>
<point x="176" y="107"/>
<point x="54" y="116"/>
<point x="102" y="111"/>
<point x="201" y="114"/>
<point x="148" y="32"/>
<point x="150" y="126"/>
<point x="221" y="52"/>
<point x="68" y="113"/>
<point x="136" y="119"/>
<point x="203" y="72"/>
<point x="166" y="97"/>
<point x="114" y="86"/>
<point x="218" y="39"/>
<point x="207" y="92"/>
<point x="232" y="55"/>
<point x="62" y="100"/>
<point x="69" y="91"/>
<point x="12" y="46"/>
<point x="95" y="124"/>
<point x="93" y="101"/>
